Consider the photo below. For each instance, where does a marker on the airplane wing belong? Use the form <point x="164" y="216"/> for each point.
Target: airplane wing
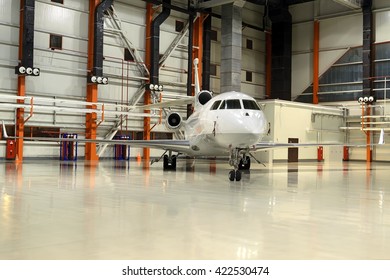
<point x="270" y="145"/>
<point x="166" y="104"/>
<point x="180" y="146"/>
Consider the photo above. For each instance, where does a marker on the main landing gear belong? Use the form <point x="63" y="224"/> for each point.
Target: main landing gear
<point x="169" y="161"/>
<point x="240" y="161"/>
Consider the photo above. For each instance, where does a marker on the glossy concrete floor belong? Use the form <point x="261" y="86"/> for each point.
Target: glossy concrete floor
<point x="53" y="210"/>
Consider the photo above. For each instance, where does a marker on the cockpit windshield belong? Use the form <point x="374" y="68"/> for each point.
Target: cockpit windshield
<point x="216" y="105"/>
<point x="231" y="104"/>
<point x="235" y="104"/>
<point x="250" y="104"/>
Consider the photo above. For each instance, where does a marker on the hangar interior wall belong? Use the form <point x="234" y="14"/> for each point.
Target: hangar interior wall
<point x="340" y="30"/>
<point x="63" y="71"/>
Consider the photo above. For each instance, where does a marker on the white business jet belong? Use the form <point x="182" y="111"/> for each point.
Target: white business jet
<point x="229" y="124"/>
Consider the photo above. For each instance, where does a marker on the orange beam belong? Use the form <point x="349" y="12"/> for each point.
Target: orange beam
<point x="21" y="91"/>
<point x="368" y="137"/>
<point x="92" y="89"/>
<point x="316" y="60"/>
<point x="148" y="60"/>
<point x="268" y="64"/>
<point x="197" y="48"/>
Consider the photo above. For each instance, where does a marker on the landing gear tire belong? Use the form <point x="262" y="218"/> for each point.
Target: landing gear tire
<point x="238" y="175"/>
<point x="246" y="165"/>
<point x="235" y="175"/>
<point x="232" y="175"/>
<point x="169" y="164"/>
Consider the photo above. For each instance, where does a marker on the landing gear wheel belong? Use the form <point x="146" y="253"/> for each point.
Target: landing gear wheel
<point x="166" y="167"/>
<point x="245" y="166"/>
<point x="232" y="175"/>
<point x="170" y="164"/>
<point x="238" y="175"/>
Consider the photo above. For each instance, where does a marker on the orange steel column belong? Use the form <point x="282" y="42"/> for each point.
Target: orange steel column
<point x="92" y="89"/>
<point x="268" y="64"/>
<point x="197" y="48"/>
<point x="368" y="137"/>
<point x="148" y="59"/>
<point x="21" y="92"/>
<point x="316" y="60"/>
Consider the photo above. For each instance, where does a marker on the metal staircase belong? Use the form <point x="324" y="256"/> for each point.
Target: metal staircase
<point x="175" y="43"/>
<point x="116" y="28"/>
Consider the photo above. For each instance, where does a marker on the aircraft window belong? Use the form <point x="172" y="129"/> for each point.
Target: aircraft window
<point x="250" y="104"/>
<point x="223" y="105"/>
<point x="215" y="105"/>
<point x="233" y="104"/>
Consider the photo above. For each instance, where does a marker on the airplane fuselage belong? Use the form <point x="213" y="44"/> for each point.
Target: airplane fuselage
<point x="229" y="120"/>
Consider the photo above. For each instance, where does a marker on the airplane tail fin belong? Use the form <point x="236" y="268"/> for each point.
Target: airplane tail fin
<point x="382" y="137"/>
<point x="201" y="96"/>
<point x="197" y="83"/>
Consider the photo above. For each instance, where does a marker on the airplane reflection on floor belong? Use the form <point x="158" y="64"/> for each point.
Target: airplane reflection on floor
<point x="122" y="211"/>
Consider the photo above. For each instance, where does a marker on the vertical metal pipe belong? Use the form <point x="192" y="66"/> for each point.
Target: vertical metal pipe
<point x="190" y="59"/>
<point x="92" y="89"/>
<point x="268" y="65"/>
<point x="206" y="52"/>
<point x="155" y="43"/>
<point x="28" y="33"/>
<point x="19" y="117"/>
<point x="98" y="36"/>
<point x="316" y="60"/>
<point x="281" y="52"/>
<point x="368" y="65"/>
<point x="148" y="62"/>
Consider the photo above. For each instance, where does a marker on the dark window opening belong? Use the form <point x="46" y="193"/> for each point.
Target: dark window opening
<point x="214" y="35"/>
<point x="35" y="131"/>
<point x="161" y="135"/>
<point x="179" y="26"/>
<point x="231" y="104"/>
<point x="248" y="76"/>
<point x="128" y="55"/>
<point x="249" y="44"/>
<point x="139" y="135"/>
<point x="58" y="1"/>
<point x="215" y="105"/>
<point x="250" y="104"/>
<point x="213" y="69"/>
<point x="55" y="42"/>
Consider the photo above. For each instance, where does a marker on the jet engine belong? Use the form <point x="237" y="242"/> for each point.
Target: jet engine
<point x="203" y="97"/>
<point x="173" y="121"/>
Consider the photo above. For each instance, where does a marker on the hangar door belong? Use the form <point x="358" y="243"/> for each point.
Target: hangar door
<point x="293" y="152"/>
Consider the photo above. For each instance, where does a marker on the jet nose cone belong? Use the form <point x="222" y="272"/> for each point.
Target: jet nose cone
<point x="243" y="129"/>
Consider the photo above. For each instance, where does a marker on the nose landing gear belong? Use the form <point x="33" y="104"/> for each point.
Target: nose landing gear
<point x="235" y="175"/>
<point x="239" y="161"/>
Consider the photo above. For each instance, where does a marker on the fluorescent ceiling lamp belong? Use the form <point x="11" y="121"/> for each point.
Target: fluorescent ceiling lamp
<point x="352" y="4"/>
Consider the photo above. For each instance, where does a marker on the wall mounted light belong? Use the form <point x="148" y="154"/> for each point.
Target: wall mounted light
<point x="154" y="87"/>
<point x="27" y="71"/>
<point x="98" y="80"/>
<point x="366" y="100"/>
